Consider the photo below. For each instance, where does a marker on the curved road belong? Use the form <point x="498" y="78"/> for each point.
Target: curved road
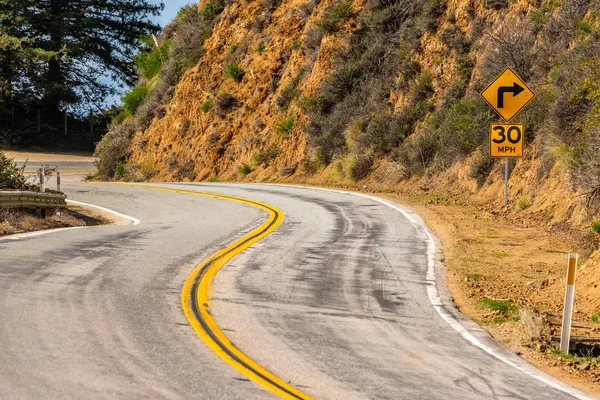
<point x="335" y="301"/>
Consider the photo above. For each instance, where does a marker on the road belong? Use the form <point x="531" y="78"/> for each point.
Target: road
<point x="337" y="302"/>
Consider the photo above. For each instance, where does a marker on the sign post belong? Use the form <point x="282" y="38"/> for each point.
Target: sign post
<point x="507" y="95"/>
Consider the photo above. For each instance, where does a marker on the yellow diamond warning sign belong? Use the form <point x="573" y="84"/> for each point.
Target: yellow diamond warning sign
<point x="508" y="94"/>
<point x="506" y="140"/>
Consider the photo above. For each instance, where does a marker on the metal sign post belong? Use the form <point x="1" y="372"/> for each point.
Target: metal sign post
<point x="507" y="95"/>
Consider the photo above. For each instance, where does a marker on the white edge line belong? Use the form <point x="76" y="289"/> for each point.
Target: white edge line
<point x="134" y="221"/>
<point x="441" y="308"/>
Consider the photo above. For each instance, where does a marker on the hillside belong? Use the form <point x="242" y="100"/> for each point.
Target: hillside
<point x="382" y="94"/>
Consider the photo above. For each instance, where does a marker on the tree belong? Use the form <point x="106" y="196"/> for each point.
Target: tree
<point x="85" y="41"/>
<point x="20" y="60"/>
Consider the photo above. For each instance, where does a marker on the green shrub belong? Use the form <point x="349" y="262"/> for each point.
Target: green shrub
<point x="120" y="170"/>
<point x="596" y="317"/>
<point x="331" y="19"/>
<point x="11" y="176"/>
<point x="206" y="106"/>
<point x="596" y="226"/>
<point x="212" y="10"/>
<point x="261" y="46"/>
<point x="295" y="46"/>
<point x="234" y="71"/>
<point x="245" y="169"/>
<point x="285" y="125"/>
<point x="150" y="62"/>
<point x="232" y="48"/>
<point x="133" y="99"/>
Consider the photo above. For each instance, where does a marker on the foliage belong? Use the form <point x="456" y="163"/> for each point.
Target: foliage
<point x="244" y="169"/>
<point x="206" y="106"/>
<point x="330" y="21"/>
<point x="186" y="35"/>
<point x="224" y="101"/>
<point x="260" y="47"/>
<point x="11" y="176"/>
<point x="150" y="61"/>
<point x="133" y="99"/>
<point x="285" y="125"/>
<point x="596" y="226"/>
<point x="234" y="71"/>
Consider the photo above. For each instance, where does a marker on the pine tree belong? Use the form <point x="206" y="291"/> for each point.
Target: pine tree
<point x="87" y="40"/>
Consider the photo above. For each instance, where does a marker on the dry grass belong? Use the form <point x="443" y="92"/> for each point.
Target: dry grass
<point x="14" y="221"/>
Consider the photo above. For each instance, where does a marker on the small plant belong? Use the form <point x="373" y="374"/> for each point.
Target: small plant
<point x="285" y="125"/>
<point x="245" y="169"/>
<point x="523" y="203"/>
<point x="133" y="99"/>
<point x="474" y="277"/>
<point x="232" y="48"/>
<point x="120" y="170"/>
<point x="224" y="101"/>
<point x="234" y="71"/>
<point x="503" y="306"/>
<point x="261" y="46"/>
<point x="11" y="176"/>
<point x="596" y="226"/>
<point x="206" y="106"/>
<point x="212" y="9"/>
<point x="330" y="21"/>
<point x="596" y="317"/>
<point x="296" y="46"/>
<point x="499" y="254"/>
<point x="213" y="178"/>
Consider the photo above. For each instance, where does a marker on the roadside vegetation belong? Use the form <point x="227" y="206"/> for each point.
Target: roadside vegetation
<point x="160" y="67"/>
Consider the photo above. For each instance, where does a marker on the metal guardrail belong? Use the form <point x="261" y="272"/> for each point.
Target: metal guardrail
<point x="16" y="199"/>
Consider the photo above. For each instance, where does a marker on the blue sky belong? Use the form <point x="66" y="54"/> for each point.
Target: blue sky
<point x="171" y="9"/>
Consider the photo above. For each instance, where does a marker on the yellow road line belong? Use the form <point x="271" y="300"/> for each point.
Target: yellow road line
<point x="196" y="293"/>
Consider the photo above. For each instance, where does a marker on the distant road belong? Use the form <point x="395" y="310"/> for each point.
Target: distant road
<point x="336" y="301"/>
<point x="65" y="162"/>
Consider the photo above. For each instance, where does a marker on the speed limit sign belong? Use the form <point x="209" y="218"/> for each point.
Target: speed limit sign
<point x="506" y="140"/>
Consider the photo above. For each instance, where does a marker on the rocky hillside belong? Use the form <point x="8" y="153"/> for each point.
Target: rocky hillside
<point x="382" y="92"/>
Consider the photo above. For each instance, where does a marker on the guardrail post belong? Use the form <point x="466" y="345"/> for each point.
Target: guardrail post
<point x="58" y="181"/>
<point x="42" y="181"/>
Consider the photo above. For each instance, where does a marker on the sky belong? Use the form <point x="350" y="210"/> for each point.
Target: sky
<point x="170" y="11"/>
<point x="167" y="15"/>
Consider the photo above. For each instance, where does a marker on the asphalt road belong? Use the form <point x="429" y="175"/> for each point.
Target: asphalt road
<point x="336" y="301"/>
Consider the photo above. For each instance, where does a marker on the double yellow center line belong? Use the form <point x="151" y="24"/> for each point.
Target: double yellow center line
<point x="196" y="295"/>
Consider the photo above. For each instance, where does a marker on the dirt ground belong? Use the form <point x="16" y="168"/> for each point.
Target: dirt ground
<point x="13" y="222"/>
<point x="519" y="261"/>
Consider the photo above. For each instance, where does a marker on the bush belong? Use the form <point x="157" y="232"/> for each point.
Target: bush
<point x="133" y="99"/>
<point x="596" y="226"/>
<point x="285" y="125"/>
<point x="259" y="49"/>
<point x="206" y="106"/>
<point x="234" y="71"/>
<point x="331" y="19"/>
<point x="11" y="176"/>
<point x="245" y="169"/>
<point x="150" y="62"/>
<point x="212" y="10"/>
<point x="224" y="101"/>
